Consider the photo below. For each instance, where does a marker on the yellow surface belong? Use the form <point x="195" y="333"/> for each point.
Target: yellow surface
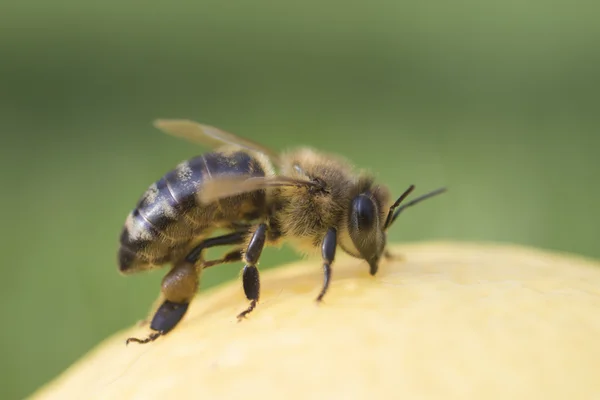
<point x="449" y="320"/>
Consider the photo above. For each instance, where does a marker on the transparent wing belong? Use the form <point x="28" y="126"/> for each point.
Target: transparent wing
<point x="208" y="135"/>
<point x="226" y="186"/>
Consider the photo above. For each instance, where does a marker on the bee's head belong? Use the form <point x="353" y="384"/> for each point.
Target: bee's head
<point x="369" y="221"/>
<point x="366" y="228"/>
<point x="366" y="220"/>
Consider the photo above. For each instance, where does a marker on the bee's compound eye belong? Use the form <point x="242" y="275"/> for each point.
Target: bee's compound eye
<point x="168" y="315"/>
<point x="363" y="212"/>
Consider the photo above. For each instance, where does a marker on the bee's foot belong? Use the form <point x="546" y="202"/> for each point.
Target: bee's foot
<point x="241" y="316"/>
<point x="152" y="337"/>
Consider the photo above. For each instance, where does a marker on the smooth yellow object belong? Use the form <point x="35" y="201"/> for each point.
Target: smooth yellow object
<point x="446" y="321"/>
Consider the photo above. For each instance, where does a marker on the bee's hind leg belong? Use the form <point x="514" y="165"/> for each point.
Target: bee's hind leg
<point x="166" y="318"/>
<point x="152" y="311"/>
<point x="177" y="290"/>
<point x="180" y="284"/>
<point x="151" y="338"/>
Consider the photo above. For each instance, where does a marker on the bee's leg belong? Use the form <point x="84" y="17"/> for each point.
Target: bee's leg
<point x="166" y="317"/>
<point x="232" y="256"/>
<point x="224" y="240"/>
<point x="177" y="290"/>
<point x="151" y="338"/>
<point x="180" y="284"/>
<point x="250" y="277"/>
<point x="155" y="304"/>
<point x="328" y="252"/>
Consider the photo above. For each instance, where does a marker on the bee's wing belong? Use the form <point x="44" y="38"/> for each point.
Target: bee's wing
<point x="208" y="135"/>
<point x="226" y="186"/>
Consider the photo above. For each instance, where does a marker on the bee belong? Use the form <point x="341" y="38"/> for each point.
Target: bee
<point x="313" y="200"/>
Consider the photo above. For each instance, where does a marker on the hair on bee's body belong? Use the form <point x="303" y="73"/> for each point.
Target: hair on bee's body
<point x="304" y="214"/>
<point x="315" y="201"/>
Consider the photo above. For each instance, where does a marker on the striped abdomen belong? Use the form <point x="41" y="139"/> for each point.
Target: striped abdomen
<point x="169" y="216"/>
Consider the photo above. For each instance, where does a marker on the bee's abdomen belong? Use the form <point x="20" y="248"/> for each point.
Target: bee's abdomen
<point x="168" y="216"/>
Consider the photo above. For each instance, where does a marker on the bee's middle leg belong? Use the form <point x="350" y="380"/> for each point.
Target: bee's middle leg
<point x="328" y="253"/>
<point x="229" y="239"/>
<point x="250" y="276"/>
<point x="231" y="257"/>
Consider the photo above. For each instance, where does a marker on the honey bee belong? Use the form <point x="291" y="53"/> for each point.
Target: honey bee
<point x="313" y="200"/>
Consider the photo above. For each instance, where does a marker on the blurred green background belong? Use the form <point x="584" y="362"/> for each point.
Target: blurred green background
<point x="497" y="100"/>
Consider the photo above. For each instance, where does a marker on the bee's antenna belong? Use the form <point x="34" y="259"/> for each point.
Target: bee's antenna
<point x="390" y="216"/>
<point x="395" y="210"/>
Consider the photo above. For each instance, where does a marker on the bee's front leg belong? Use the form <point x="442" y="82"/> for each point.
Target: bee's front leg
<point x="328" y="252"/>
